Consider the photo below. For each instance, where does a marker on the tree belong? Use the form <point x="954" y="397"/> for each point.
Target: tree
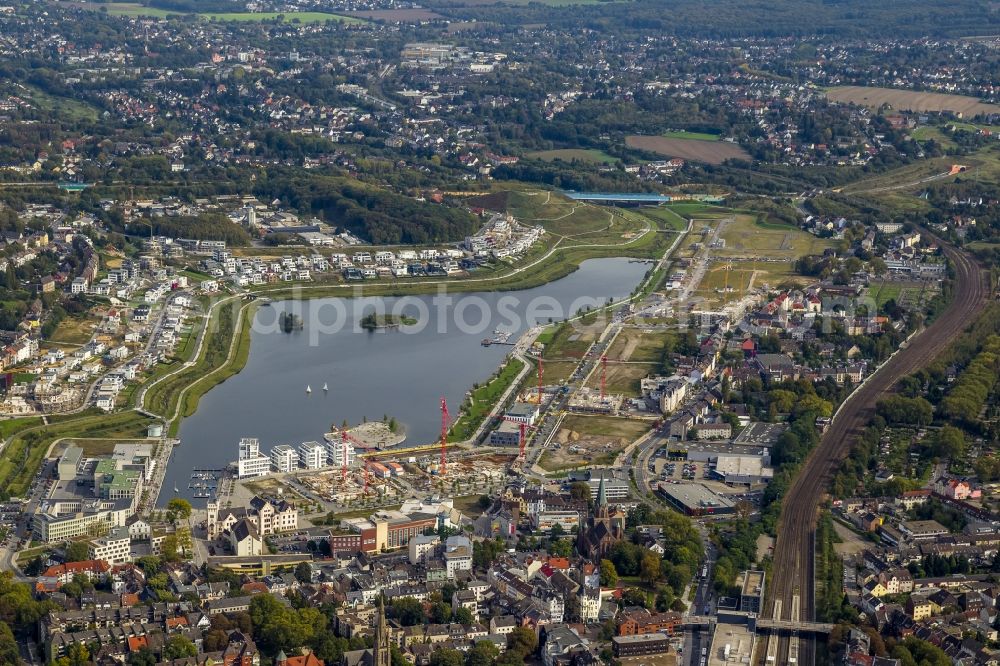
<point x="906" y="411"/>
<point x="440" y="613"/>
<point x="178" y="508"/>
<point x="169" y="548"/>
<point x="9" y="652"/>
<point x="407" y="610"/>
<point x="303" y="573"/>
<point x="649" y="567"/>
<point x="522" y="641"/>
<point x="214" y="640"/>
<point x="447" y="657"/>
<point x="77" y="654"/>
<point x="633" y="596"/>
<point x="483" y="654"/>
<point x="77" y="551"/>
<point x="179" y="647"/>
<point x="561" y="548"/>
<point x="948" y="442"/>
<point x="609" y="575"/>
<point x="580" y="491"/>
<point x="509" y="658"/>
<point x="463" y="615"/>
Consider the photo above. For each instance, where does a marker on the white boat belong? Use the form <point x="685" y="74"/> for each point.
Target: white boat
<point x="175" y="489"/>
<point x="308" y="389"/>
<point x="325" y="387"/>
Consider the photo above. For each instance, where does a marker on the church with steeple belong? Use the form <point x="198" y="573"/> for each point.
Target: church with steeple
<point x="605" y="527"/>
<point x="380" y="654"/>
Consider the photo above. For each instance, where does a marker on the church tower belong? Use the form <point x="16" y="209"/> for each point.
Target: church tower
<point x="212" y="508"/>
<point x="380" y="651"/>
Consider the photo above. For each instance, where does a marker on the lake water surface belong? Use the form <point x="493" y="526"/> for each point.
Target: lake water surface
<point x="402" y="374"/>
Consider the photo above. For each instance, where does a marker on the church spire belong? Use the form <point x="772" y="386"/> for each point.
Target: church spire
<point x="602" y="494"/>
<point x="381" y="650"/>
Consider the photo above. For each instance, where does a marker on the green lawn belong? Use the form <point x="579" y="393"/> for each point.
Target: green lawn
<point x="134" y="9"/>
<point x="67" y="107"/>
<point x="694" y="136"/>
<point x="688" y="208"/>
<point x="932" y="133"/>
<point x="482" y="401"/>
<point x="570" y="154"/>
<point x="667" y="216"/>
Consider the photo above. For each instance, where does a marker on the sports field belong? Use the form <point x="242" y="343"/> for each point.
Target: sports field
<point x="911" y="100"/>
<point x="711" y="152"/>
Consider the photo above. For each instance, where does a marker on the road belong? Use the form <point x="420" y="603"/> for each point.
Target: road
<point x="793" y="553"/>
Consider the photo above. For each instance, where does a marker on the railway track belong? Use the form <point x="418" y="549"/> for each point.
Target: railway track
<point x="794" y="551"/>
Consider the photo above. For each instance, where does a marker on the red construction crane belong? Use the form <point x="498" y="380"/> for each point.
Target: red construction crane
<point x="345" y="438"/>
<point x="604" y="375"/>
<point x="541" y="371"/>
<point x="444" y="438"/>
<point x="523" y="438"/>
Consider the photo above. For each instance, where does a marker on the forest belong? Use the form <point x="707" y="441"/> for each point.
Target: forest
<point x="377" y="215"/>
<point x="733" y="18"/>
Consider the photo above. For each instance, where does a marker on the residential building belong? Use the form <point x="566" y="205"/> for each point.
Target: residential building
<point x="284" y="458"/>
<point x="251" y="462"/>
<point x="114" y="548"/>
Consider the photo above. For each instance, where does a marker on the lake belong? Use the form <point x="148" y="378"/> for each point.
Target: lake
<point x="400" y="373"/>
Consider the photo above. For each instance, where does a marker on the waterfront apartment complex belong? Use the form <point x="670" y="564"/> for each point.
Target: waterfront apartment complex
<point x="284" y="458"/>
<point x="312" y="455"/>
<point x="251" y="462"/>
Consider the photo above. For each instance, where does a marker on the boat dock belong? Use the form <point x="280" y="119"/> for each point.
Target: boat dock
<point x="500" y="337"/>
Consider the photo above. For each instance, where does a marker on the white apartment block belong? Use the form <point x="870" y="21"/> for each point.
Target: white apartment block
<point x="114" y="548"/>
<point x="337" y="450"/>
<point x="312" y="455"/>
<point x="251" y="462"/>
<point x="284" y="458"/>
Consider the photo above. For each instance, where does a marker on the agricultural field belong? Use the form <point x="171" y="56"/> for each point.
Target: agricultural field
<point x="287" y="17"/>
<point x="710" y="152"/>
<point x="547" y="3"/>
<point x="727" y="282"/>
<point x="127" y="9"/>
<point x="590" y="440"/>
<point x="635" y="353"/>
<point x="396" y="15"/>
<point x="745" y="236"/>
<point x="691" y="136"/>
<point x="134" y="9"/>
<point x="910" y="100"/>
<point x="591" y="156"/>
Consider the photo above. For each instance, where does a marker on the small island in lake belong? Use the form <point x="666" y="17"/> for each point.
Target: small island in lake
<point x="290" y="322"/>
<point x="372" y="321"/>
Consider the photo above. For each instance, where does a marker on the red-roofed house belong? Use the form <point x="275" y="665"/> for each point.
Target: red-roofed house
<point x="61" y="574"/>
<point x="178" y="622"/>
<point x="305" y="660"/>
<point x="136" y="643"/>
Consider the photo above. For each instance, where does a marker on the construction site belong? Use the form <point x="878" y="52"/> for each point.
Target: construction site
<point x="361" y="465"/>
